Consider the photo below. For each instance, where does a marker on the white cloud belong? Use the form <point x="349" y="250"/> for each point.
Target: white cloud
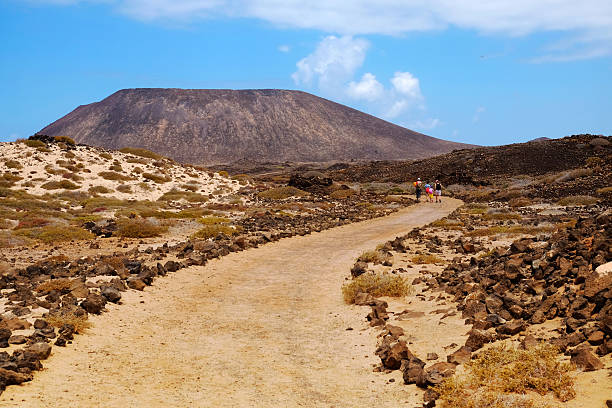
<point x="368" y="88"/>
<point x="406" y="84"/>
<point x="426" y="124"/>
<point x="479" y="111"/>
<point x="332" y="63"/>
<point x="590" y="20"/>
<point x="284" y="48"/>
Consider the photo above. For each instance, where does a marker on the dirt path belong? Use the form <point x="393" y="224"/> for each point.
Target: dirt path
<point x="266" y="328"/>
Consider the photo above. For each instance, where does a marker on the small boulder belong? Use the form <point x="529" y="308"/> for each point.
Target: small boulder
<point x="461" y="356"/>
<point x="584" y="359"/>
<point x="41" y="350"/>
<point x="9" y="377"/>
<point x="17" y="339"/>
<point x="477" y="339"/>
<point x="94" y="303"/>
<point x="110" y="293"/>
<point x="135" y="283"/>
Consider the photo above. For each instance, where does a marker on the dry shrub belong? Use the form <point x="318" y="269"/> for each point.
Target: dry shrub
<point x="5" y="224"/>
<point x="211" y="231"/>
<point x="376" y="284"/>
<point x="136" y="151"/>
<point x="106" y="156"/>
<point x="190" y="187"/>
<point x="138" y="228"/>
<point x="281" y="193"/>
<point x="501" y="216"/>
<point x="62" y="317"/>
<point x="99" y="190"/>
<point x="116" y="167"/>
<point x="594" y="161"/>
<point x="65" y="139"/>
<point x="508" y="229"/>
<point x="175" y="195"/>
<point x="69" y="155"/>
<point x="113" y="175"/>
<point x="34" y="222"/>
<point x="372" y="256"/>
<point x="9" y="180"/>
<point x="426" y="259"/>
<point x="212" y="220"/>
<point x="156" y="178"/>
<point x="574" y="174"/>
<point x="54" y="284"/>
<point x="8" y="240"/>
<point x="342" y="193"/>
<point x="578" y="200"/>
<point x="124" y="188"/>
<point x="72" y="176"/>
<point x="604" y="190"/>
<point x="445" y="223"/>
<point x="223" y="173"/>
<point x="13" y="164"/>
<point x="55" y="233"/>
<point x="139" y="160"/>
<point x="476" y="208"/>
<point x="243" y="179"/>
<point x="52" y="170"/>
<point x="392" y="199"/>
<point x="520" y="202"/>
<point x="34" y="143"/>
<point x="65" y="184"/>
<point x="501" y="376"/>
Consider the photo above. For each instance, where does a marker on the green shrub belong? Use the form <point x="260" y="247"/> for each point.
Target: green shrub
<point x="175" y="195"/>
<point x="281" y="193"/>
<point x="214" y="220"/>
<point x="55" y="233"/>
<point x="34" y="143"/>
<point x="376" y="284"/>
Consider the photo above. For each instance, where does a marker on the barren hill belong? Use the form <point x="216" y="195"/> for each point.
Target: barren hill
<point x="206" y="126"/>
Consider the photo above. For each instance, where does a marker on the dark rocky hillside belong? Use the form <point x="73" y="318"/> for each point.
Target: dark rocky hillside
<point x="202" y="126"/>
<point x="574" y="165"/>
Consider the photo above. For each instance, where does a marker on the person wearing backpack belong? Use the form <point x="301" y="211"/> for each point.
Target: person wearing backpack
<point x="417" y="189"/>
<point x="438" y="191"/>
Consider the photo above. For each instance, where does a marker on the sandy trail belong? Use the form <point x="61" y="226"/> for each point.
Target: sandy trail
<point x="264" y="327"/>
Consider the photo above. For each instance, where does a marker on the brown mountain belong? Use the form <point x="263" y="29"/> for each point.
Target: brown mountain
<point x="210" y="126"/>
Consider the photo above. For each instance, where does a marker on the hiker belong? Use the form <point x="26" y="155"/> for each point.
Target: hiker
<point x="438" y="191"/>
<point x="429" y="192"/>
<point x="417" y="189"/>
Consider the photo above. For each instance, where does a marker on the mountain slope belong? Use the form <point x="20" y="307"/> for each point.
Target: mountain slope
<point x="222" y="126"/>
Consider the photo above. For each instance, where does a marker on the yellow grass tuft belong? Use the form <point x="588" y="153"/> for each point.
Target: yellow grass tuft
<point x="113" y="175"/>
<point x="59" y="319"/>
<point x="65" y="139"/>
<point x="211" y="231"/>
<point x="376" y="284"/>
<point x="54" y="284"/>
<point x="501" y="377"/>
<point x="65" y="184"/>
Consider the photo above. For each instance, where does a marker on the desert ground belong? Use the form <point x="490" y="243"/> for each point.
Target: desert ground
<point x="265" y="327"/>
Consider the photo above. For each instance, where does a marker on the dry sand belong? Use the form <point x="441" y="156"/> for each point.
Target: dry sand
<point x="266" y="328"/>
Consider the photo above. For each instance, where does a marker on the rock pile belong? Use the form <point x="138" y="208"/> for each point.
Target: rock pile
<point x="537" y="280"/>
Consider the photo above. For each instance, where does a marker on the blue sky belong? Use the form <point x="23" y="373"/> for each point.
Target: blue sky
<point x="487" y="73"/>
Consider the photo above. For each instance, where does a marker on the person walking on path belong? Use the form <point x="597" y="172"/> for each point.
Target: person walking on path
<point x="429" y="192"/>
<point x="438" y="191"/>
<point x="417" y="189"/>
